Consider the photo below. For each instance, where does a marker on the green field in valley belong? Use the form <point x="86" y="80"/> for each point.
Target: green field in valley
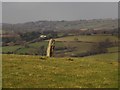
<point x="64" y="46"/>
<point x="91" y="38"/>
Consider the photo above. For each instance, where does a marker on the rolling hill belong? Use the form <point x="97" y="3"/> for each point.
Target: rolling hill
<point x="96" y="24"/>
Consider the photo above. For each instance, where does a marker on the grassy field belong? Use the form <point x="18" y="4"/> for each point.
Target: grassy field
<point x="29" y="71"/>
<point x="68" y="42"/>
<point x="91" y="38"/>
<point x="113" y="49"/>
<point x="79" y="47"/>
<point x="104" y="57"/>
<point x="23" y="71"/>
<point x="11" y="48"/>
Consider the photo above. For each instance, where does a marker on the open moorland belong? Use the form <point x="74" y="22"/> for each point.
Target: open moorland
<point x="99" y="71"/>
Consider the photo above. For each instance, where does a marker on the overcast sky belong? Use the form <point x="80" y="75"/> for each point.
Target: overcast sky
<point x="19" y="12"/>
<point x="0" y="12"/>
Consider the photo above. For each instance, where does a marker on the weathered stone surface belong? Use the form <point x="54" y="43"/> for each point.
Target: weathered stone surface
<point x="51" y="47"/>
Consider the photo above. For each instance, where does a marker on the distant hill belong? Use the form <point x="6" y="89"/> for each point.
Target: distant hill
<point x="96" y="24"/>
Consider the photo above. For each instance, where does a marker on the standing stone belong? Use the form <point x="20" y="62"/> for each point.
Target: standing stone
<point x="51" y="47"/>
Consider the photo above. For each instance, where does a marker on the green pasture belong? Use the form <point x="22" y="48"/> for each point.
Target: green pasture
<point x="25" y="71"/>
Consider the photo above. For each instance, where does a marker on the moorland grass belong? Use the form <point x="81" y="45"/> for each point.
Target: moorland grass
<point x="27" y="71"/>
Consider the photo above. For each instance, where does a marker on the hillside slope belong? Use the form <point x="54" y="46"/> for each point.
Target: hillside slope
<point x="23" y="71"/>
<point x="62" y="25"/>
